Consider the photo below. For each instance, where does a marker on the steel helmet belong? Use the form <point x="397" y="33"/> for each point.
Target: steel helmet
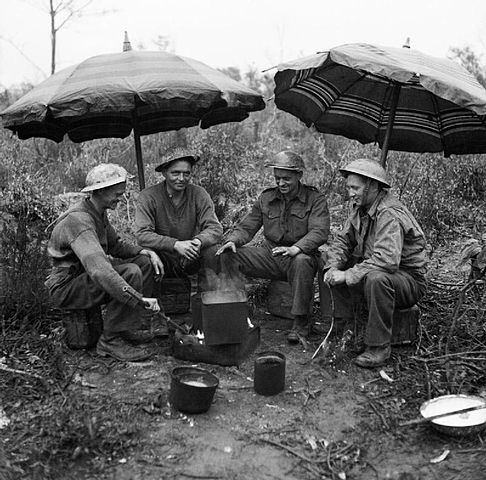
<point x="287" y="160"/>
<point x="367" y="168"/>
<point x="177" y="153"/>
<point x="105" y="175"/>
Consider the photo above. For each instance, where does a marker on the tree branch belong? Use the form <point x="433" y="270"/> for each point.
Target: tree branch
<point x="9" y="41"/>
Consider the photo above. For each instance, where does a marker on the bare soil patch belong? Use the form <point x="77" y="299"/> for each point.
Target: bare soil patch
<point x="109" y="420"/>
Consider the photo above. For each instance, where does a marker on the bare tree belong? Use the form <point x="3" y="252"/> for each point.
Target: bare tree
<point x="21" y="51"/>
<point x="60" y="13"/>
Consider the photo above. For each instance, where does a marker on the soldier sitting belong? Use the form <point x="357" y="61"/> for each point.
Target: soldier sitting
<point x="93" y="266"/>
<point x="380" y="253"/>
<point x="295" y="222"/>
<point x="176" y="219"/>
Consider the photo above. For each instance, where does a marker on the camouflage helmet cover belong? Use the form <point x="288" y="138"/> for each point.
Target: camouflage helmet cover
<point x="177" y="153"/>
<point x="105" y="175"/>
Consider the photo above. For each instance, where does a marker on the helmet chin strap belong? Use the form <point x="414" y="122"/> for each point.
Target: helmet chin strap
<point x="364" y="202"/>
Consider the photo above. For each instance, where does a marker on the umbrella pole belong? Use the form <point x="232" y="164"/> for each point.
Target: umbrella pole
<point x="138" y="152"/>
<point x="391" y="121"/>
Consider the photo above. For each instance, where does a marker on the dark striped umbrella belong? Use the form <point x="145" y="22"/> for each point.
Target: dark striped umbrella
<point x="149" y="92"/>
<point x="398" y="97"/>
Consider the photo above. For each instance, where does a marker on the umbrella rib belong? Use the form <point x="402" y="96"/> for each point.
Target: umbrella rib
<point x="362" y="75"/>
<point x="216" y="88"/>
<point x="388" y="92"/>
<point x="438" y="118"/>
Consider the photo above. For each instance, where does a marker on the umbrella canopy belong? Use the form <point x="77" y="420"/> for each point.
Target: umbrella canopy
<point x="109" y="95"/>
<point x="398" y="97"/>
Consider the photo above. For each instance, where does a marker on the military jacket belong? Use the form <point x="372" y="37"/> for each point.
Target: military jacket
<point x="302" y="221"/>
<point x="385" y="238"/>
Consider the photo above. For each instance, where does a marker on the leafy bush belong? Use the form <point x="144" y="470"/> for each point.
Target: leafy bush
<point x="446" y="195"/>
<point x="25" y="215"/>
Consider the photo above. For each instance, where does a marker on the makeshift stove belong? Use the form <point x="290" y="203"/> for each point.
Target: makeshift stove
<point x="222" y="332"/>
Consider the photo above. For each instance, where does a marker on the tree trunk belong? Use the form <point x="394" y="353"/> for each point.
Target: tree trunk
<point x="52" y="14"/>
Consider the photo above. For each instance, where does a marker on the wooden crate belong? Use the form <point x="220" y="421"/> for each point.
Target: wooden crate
<point x="279" y="299"/>
<point x="175" y="295"/>
<point x="82" y="327"/>
<point x="405" y="326"/>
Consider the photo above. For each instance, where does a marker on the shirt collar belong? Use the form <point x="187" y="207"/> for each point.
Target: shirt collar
<point x="301" y="194"/>
<point x="374" y="206"/>
<point x="166" y="192"/>
<point x="90" y="206"/>
<point x="355" y="216"/>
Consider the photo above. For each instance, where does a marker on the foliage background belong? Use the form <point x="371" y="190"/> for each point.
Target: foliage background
<point x="446" y="195"/>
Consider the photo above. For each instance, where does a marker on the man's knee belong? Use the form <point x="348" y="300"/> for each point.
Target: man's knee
<point x="132" y="274"/>
<point x="303" y="262"/>
<point x="144" y="262"/>
<point x="376" y="279"/>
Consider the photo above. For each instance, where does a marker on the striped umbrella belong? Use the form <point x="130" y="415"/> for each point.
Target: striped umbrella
<point x="111" y="95"/>
<point x="398" y="97"/>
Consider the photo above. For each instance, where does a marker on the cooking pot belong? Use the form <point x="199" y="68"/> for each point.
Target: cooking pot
<point x="192" y="389"/>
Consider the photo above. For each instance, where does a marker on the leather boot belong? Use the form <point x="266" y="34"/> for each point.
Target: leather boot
<point x="117" y="347"/>
<point x="373" y="357"/>
<point x="137" y="337"/>
<point x="158" y="325"/>
<point x="300" y="328"/>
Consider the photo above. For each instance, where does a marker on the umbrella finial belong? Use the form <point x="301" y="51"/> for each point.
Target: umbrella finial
<point x="407" y="43"/>
<point x="126" y="43"/>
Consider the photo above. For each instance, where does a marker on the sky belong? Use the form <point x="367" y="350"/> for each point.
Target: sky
<point x="243" y="33"/>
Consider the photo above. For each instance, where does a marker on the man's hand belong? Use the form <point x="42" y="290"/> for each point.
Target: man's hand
<point x="156" y="263"/>
<point x="286" y="251"/>
<point x="188" y="249"/>
<point x="227" y="246"/>
<point x="151" y="304"/>
<point x="334" y="276"/>
<point x="197" y="243"/>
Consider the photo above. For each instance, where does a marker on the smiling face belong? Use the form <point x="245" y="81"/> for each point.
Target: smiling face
<point x="177" y="176"/>
<point x="109" y="197"/>
<point x="287" y="181"/>
<point x="357" y="191"/>
<point x="356" y="185"/>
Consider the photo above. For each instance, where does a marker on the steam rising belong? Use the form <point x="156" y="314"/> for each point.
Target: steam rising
<point x="223" y="288"/>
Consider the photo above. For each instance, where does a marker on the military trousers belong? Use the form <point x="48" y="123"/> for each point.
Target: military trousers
<point x="82" y="292"/>
<point x="381" y="293"/>
<point x="205" y="266"/>
<point x="259" y="262"/>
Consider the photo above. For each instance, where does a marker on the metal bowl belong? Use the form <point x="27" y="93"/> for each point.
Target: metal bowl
<point x="460" y="424"/>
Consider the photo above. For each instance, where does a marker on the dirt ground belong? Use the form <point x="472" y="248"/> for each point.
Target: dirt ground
<point x="332" y="421"/>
